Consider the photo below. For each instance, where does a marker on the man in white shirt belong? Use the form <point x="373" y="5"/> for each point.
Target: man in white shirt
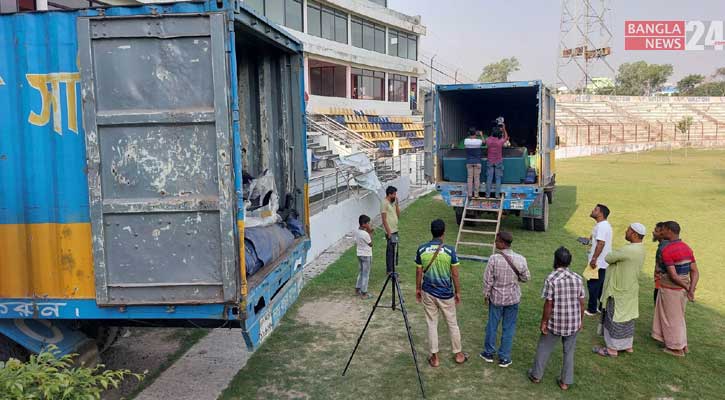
<point x="601" y="246"/>
<point x="364" y="242"/>
<point x="473" y="144"/>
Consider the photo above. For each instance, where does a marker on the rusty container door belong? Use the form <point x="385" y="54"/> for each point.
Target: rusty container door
<point x="156" y="112"/>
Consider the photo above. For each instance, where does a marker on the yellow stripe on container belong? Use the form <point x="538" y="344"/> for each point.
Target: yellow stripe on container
<point x="242" y="261"/>
<point x="46" y="260"/>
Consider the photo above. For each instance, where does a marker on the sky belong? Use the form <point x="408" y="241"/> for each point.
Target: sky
<point x="468" y="34"/>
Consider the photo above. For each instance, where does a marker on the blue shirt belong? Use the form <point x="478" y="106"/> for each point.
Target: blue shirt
<point x="437" y="280"/>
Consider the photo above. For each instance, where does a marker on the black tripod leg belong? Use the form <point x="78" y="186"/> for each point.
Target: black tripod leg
<point x="395" y="269"/>
<point x="396" y="285"/>
<point x="370" y="317"/>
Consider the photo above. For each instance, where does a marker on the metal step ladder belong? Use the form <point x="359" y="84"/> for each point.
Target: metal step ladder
<point x="479" y="204"/>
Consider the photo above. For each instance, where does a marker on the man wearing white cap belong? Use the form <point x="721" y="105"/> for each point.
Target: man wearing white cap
<point x="620" y="295"/>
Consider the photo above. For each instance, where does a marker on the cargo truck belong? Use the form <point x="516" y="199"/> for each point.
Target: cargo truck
<point x="132" y="143"/>
<point x="529" y="111"/>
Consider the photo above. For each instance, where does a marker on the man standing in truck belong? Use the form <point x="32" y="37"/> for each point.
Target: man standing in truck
<point x="494" y="146"/>
<point x="473" y="144"/>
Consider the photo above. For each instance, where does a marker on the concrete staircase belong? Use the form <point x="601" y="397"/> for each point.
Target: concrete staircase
<point x="325" y="158"/>
<point x="385" y="169"/>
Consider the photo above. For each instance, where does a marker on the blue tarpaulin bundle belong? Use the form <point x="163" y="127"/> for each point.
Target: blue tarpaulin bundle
<point x="264" y="244"/>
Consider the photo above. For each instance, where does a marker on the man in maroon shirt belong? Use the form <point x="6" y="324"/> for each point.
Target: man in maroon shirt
<point x="494" y="146"/>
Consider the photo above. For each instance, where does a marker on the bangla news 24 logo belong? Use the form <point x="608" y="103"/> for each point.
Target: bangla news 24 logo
<point x="674" y="35"/>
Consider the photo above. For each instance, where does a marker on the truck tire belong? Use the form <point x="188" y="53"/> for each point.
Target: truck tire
<point x="9" y="349"/>
<point x="542" y="225"/>
<point x="459" y="215"/>
<point x="105" y="336"/>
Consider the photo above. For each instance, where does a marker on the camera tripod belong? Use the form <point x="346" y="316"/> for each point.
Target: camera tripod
<point x="395" y="287"/>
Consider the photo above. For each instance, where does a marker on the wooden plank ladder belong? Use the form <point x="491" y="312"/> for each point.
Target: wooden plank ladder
<point x="484" y="225"/>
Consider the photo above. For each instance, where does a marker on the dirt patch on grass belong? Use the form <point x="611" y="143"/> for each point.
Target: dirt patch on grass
<point x="337" y="314"/>
<point x="675" y="389"/>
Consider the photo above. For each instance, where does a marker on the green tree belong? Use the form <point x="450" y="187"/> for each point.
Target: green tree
<point x="688" y="83"/>
<point x="684" y="125"/>
<point x="641" y="79"/>
<point x="709" y="89"/>
<point x="499" y="71"/>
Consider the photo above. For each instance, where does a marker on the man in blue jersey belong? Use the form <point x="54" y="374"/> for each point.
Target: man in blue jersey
<point x="439" y="289"/>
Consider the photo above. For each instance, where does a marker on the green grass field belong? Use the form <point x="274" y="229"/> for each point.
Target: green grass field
<point x="306" y="354"/>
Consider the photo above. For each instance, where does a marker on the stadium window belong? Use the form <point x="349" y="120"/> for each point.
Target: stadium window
<point x="380" y="39"/>
<point x="397" y="87"/>
<point x="257" y="5"/>
<point x="327" y="23"/>
<point x="367" y="84"/>
<point x="274" y="10"/>
<point x="340" y="27"/>
<point x="412" y="47"/>
<point x="313" y="20"/>
<point x="328" y="81"/>
<point x="393" y="44"/>
<point x="293" y="14"/>
<point x="356" y="32"/>
<point x="413" y="93"/>
<point x="283" y="12"/>
<point x="403" y="45"/>
<point x="367" y="35"/>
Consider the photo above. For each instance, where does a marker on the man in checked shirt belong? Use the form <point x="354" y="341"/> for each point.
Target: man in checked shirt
<point x="501" y="291"/>
<point x="562" y="318"/>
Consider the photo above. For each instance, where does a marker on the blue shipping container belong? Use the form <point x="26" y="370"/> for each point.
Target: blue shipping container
<point x="126" y="137"/>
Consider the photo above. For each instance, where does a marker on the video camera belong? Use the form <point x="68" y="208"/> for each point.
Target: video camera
<point x="497" y="129"/>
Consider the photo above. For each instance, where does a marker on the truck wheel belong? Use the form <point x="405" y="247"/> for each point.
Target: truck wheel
<point x="459" y="215"/>
<point x="9" y="349"/>
<point x="542" y="225"/>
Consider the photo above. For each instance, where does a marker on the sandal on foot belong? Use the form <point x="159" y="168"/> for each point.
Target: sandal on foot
<point x="602" y="351"/>
<point x="562" y="385"/>
<point x="465" y="358"/>
<point x="532" y="379"/>
<point x="673" y="353"/>
<point x="430" y="362"/>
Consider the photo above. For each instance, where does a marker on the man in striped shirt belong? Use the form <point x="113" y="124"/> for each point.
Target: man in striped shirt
<point x="677" y="285"/>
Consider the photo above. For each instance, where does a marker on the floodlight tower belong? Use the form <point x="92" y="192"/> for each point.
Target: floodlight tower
<point x="585" y="41"/>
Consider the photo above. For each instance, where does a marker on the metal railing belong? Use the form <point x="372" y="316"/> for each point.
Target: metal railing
<point x="595" y="134"/>
<point x="333" y="188"/>
<point x="410" y="165"/>
<point x="328" y="126"/>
